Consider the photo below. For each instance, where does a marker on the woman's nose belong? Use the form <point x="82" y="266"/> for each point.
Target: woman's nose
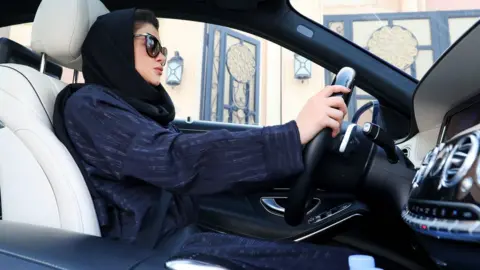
<point x="161" y="58"/>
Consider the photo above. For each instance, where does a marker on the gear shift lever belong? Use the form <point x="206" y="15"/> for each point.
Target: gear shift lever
<point x="378" y="136"/>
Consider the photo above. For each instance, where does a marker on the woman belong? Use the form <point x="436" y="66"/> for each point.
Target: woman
<point x="118" y="128"/>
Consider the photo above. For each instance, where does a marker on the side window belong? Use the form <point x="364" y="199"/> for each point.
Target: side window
<point x="220" y="74"/>
<point x="235" y="77"/>
<point x="410" y="35"/>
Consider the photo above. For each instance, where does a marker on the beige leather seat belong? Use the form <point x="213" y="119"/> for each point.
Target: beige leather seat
<point x="40" y="182"/>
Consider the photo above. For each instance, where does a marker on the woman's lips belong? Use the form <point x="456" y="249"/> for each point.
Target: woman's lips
<point x="158" y="70"/>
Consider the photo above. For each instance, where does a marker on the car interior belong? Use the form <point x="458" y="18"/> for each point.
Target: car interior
<point x="420" y="212"/>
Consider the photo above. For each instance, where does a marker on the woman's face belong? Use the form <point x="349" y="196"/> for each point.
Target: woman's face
<point x="150" y="68"/>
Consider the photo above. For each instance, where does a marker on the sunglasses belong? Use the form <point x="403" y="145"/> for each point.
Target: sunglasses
<point x="153" y="46"/>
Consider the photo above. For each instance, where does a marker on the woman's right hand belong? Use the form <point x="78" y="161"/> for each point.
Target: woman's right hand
<point x="321" y="111"/>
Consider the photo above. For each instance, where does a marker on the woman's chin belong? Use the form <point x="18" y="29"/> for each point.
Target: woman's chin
<point x="155" y="82"/>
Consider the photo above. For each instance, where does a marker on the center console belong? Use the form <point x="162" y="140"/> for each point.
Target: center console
<point x="445" y="195"/>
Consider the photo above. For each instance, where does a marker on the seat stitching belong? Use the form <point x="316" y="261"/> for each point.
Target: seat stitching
<point x="21" y="102"/>
<point x="67" y="182"/>
<point x="34" y="90"/>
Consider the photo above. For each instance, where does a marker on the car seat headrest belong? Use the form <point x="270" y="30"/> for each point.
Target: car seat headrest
<point x="61" y="26"/>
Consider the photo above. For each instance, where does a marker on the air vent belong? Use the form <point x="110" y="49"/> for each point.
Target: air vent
<point x="418" y="177"/>
<point x="427" y="157"/>
<point x="459" y="161"/>
<point x="440" y="160"/>
<point x="430" y="161"/>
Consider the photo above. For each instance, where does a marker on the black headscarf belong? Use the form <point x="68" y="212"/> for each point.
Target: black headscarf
<point x="108" y="60"/>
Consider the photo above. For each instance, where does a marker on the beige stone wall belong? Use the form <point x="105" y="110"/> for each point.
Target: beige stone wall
<point x="186" y="37"/>
<point x="281" y="95"/>
<point x="452" y="5"/>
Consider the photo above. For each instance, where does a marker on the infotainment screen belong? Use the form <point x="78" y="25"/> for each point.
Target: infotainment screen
<point x="462" y="120"/>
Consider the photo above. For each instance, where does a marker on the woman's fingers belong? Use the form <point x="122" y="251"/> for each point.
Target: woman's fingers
<point x="334" y="125"/>
<point x="335" y="114"/>
<point x="337" y="102"/>
<point x="333" y="89"/>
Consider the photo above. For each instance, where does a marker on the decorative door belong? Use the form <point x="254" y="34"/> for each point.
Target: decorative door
<point x="230" y="88"/>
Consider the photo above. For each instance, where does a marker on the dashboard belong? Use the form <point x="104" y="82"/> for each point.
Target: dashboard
<point x="444" y="202"/>
<point x="445" y="193"/>
<point x="461" y="118"/>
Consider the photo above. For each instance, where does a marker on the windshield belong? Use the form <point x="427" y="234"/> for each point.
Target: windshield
<point x="409" y="34"/>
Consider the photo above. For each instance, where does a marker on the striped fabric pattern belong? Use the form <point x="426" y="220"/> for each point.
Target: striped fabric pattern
<point x="129" y="158"/>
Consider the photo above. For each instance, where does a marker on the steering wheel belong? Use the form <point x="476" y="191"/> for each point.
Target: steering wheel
<point x="300" y="193"/>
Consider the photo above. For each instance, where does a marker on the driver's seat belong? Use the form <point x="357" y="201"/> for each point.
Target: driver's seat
<point x="40" y="182"/>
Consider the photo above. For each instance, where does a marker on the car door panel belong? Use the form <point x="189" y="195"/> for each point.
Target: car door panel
<point x="259" y="214"/>
<point x="248" y="216"/>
